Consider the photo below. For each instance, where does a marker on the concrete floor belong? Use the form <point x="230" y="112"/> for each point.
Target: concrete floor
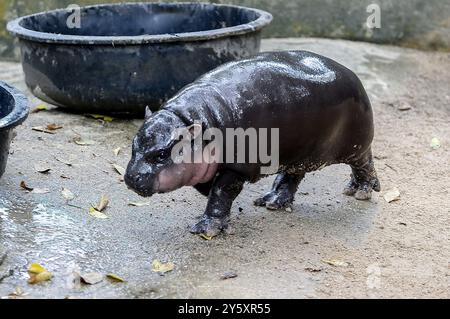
<point x="400" y="249"/>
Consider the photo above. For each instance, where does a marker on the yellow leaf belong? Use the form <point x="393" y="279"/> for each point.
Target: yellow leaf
<point x="38" y="274"/>
<point x="40" y="107"/>
<point x="101" y="117"/>
<point x="35" y="268"/>
<point x="162" y="268"/>
<point x="114" y="277"/>
<point x="206" y="237"/>
<point x="37" y="278"/>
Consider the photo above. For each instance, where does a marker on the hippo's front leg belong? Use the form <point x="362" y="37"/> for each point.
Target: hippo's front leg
<point x="226" y="187"/>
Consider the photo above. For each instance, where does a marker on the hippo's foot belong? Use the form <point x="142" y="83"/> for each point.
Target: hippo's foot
<point x="274" y="200"/>
<point x="210" y="226"/>
<point x="282" y="194"/>
<point x="364" y="179"/>
<point x="361" y="191"/>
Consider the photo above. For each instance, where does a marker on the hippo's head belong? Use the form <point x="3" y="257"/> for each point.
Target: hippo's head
<point x="152" y="168"/>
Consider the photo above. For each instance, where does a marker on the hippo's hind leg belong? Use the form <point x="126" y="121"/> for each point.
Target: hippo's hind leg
<point x="282" y="193"/>
<point x="363" y="178"/>
<point x="225" y="188"/>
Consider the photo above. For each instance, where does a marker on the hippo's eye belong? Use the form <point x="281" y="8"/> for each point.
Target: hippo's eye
<point x="161" y="156"/>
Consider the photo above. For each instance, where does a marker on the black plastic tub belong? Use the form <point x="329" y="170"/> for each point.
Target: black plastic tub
<point x="127" y="56"/>
<point x="13" y="111"/>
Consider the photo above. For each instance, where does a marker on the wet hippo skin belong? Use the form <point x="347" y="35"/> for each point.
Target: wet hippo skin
<point x="320" y="107"/>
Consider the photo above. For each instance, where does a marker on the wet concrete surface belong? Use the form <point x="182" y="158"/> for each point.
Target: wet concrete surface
<point x="275" y="254"/>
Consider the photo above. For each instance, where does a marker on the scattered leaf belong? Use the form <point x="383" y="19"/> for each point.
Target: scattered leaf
<point x="392" y="195"/>
<point x="404" y="106"/>
<point x="18" y="292"/>
<point x="40" y="191"/>
<point x="162" y="268"/>
<point x="119" y="169"/>
<point x="336" y="263"/>
<point x="91" y="278"/>
<point x="115" y="278"/>
<point x="79" y="141"/>
<point x="117" y="151"/>
<point x="228" y="275"/>
<point x="101" y="117"/>
<point x="38" y="274"/>
<point x="311" y="269"/>
<point x="64" y="161"/>
<point x="104" y="201"/>
<point x="42" y="130"/>
<point x="39" y="108"/>
<point x="36" y="268"/>
<point x="67" y="194"/>
<point x="95" y="213"/>
<point x="139" y="204"/>
<point x="54" y="127"/>
<point x="42" y="169"/>
<point x="435" y="143"/>
<point x="206" y="237"/>
<point x="25" y="186"/>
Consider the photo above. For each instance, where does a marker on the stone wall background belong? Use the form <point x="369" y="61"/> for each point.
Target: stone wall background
<point x="423" y="24"/>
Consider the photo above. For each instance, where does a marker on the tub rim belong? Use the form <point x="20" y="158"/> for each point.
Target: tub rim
<point x="20" y="110"/>
<point x="264" y="19"/>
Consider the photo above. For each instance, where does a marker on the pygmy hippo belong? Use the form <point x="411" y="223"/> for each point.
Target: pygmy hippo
<point x="321" y="111"/>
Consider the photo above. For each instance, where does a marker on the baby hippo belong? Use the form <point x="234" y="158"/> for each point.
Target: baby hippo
<point x="317" y="113"/>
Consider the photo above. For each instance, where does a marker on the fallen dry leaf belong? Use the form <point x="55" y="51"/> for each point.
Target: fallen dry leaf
<point x="42" y="130"/>
<point x="91" y="278"/>
<point x="206" y="237"/>
<point x="162" y="268"/>
<point x="404" y="106"/>
<point x="435" y="143"/>
<point x="336" y="263"/>
<point x="67" y="194"/>
<point x="38" y="274"/>
<point x="40" y="191"/>
<point x="54" y="127"/>
<point x="25" y="186"/>
<point x="95" y="213"/>
<point x="63" y="161"/>
<point x="34" y="190"/>
<point x="115" y="278"/>
<point x="117" y="151"/>
<point x="139" y="204"/>
<point x="119" y="169"/>
<point x="40" y="168"/>
<point x="228" y="275"/>
<point x="311" y="269"/>
<point x="104" y="201"/>
<point x="80" y="141"/>
<point x="18" y="292"/>
<point x="392" y="195"/>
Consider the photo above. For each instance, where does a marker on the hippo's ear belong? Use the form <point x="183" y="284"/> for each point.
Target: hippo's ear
<point x="148" y="112"/>
<point x="195" y="130"/>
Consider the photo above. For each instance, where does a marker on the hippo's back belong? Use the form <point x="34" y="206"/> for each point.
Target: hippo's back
<point x="319" y="106"/>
